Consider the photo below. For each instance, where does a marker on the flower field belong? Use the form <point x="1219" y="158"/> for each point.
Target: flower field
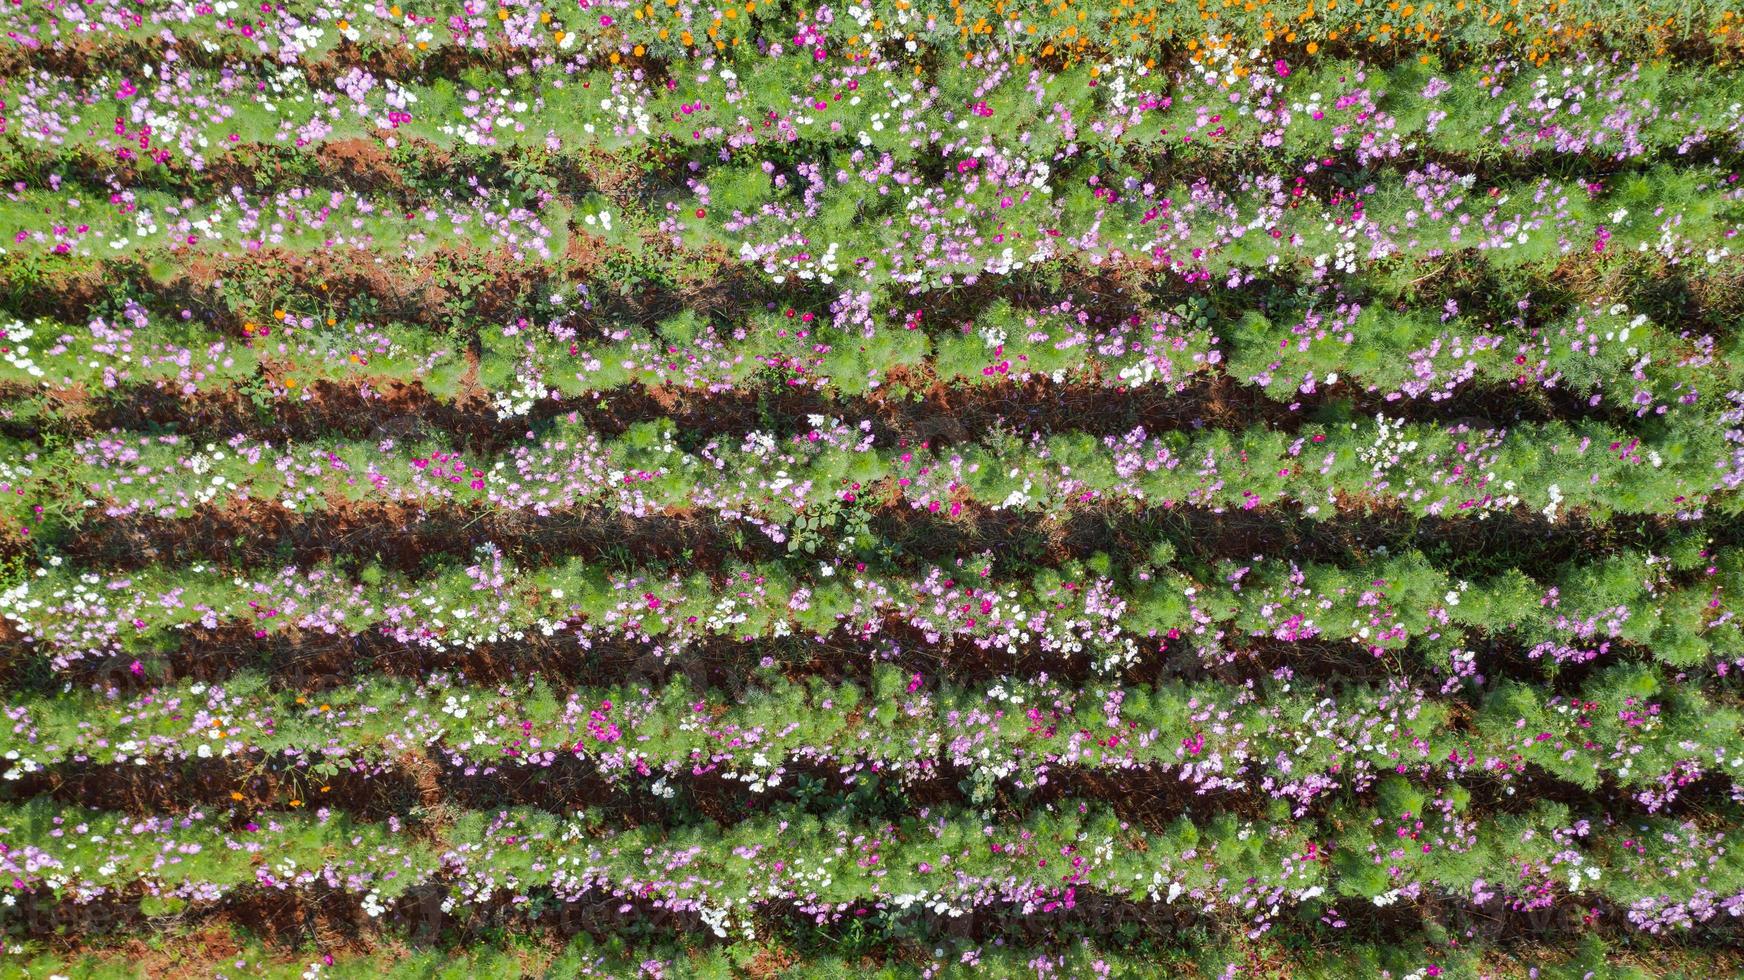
<point x="934" y="488"/>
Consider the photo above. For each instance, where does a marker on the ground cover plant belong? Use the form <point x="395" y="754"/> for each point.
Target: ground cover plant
<point x="944" y="488"/>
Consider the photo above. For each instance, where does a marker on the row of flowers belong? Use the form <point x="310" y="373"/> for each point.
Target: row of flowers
<point x="1410" y="846"/>
<point x="1603" y="352"/>
<point x="1673" y="607"/>
<point x="819" y="480"/>
<point x="1581" y="107"/>
<point x="861" y="229"/>
<point x="1280" y="738"/>
<point x="530" y="30"/>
